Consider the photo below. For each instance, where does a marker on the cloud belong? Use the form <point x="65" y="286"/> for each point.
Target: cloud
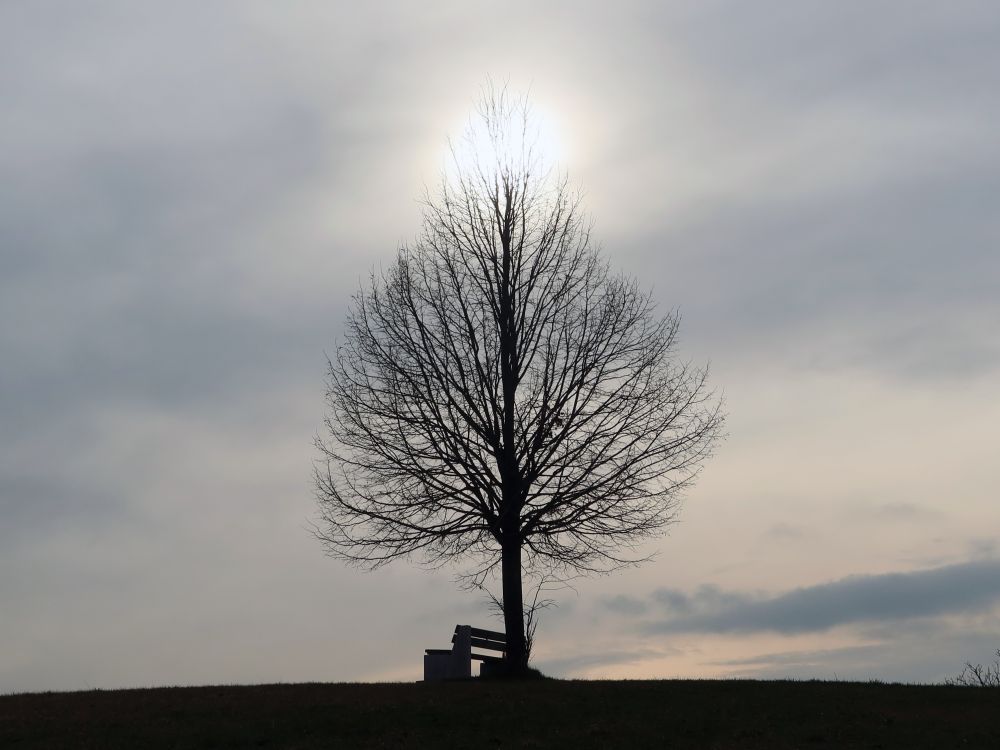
<point x="707" y="598"/>
<point x="829" y="216"/>
<point x="954" y="589"/>
<point x="902" y="655"/>
<point x="782" y="531"/>
<point x="567" y="665"/>
<point x="904" y="511"/>
<point x="810" y="659"/>
<point x="622" y="604"/>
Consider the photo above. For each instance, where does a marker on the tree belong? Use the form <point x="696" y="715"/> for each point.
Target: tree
<point x="500" y="395"/>
<point x="979" y="675"/>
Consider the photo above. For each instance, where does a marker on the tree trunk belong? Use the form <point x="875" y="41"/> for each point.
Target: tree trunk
<point x="513" y="609"/>
<point x="510" y="476"/>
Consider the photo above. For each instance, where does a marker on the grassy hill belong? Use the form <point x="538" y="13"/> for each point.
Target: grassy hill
<point x="537" y="714"/>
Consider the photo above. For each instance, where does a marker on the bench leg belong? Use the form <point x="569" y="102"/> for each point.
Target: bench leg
<point x="437" y="667"/>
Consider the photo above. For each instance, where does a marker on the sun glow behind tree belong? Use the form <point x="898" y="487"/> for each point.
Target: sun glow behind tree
<point x="537" y="145"/>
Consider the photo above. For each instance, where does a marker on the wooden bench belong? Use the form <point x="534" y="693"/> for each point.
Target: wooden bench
<point x="456" y="662"/>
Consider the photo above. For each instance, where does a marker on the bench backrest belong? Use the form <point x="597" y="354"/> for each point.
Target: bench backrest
<point x="488" y="639"/>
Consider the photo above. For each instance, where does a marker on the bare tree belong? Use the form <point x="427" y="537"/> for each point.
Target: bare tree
<point x="500" y="395"/>
<point x="979" y="675"/>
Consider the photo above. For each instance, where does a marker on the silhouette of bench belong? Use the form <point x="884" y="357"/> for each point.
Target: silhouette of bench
<point x="456" y="662"/>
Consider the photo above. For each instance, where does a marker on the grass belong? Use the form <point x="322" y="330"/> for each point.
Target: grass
<point x="533" y="714"/>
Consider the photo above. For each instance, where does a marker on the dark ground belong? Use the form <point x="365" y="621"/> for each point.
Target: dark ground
<point x="536" y="714"/>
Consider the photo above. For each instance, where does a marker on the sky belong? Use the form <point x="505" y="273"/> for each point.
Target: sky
<point x="191" y="193"/>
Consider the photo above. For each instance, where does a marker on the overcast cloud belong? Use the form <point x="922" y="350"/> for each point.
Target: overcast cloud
<point x="192" y="191"/>
<point x="955" y="589"/>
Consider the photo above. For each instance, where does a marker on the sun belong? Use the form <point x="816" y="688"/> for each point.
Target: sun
<point x="549" y="139"/>
<point x="523" y="137"/>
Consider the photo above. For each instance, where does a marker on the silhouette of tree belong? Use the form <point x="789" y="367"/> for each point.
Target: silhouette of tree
<point x="500" y="395"/>
<point x="979" y="675"/>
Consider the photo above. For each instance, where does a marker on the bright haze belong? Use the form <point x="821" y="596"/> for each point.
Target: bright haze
<point x="191" y="193"/>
